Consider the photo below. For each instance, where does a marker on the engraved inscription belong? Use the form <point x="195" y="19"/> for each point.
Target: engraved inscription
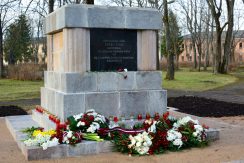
<point x="112" y="49"/>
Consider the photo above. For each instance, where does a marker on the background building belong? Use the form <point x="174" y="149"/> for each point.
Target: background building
<point x="237" y="55"/>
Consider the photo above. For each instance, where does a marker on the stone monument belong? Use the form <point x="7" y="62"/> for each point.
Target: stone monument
<point x="86" y="46"/>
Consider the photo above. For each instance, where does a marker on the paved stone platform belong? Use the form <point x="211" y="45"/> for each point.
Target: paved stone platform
<point x="17" y="123"/>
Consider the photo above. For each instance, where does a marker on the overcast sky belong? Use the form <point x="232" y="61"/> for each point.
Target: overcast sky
<point x="238" y="18"/>
<point x="238" y="12"/>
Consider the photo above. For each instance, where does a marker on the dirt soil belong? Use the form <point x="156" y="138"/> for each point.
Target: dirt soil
<point x="204" y="107"/>
<point x="11" y="110"/>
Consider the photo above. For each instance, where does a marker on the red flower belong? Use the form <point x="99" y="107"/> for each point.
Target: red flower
<point x="61" y="126"/>
<point x="148" y="116"/>
<point x="67" y="122"/>
<point x="191" y="125"/>
<point x="120" y="70"/>
<point x="156" y="116"/>
<point x="91" y="118"/>
<point x="50" y="117"/>
<point x="116" y="119"/>
<point x="184" y="138"/>
<point x="57" y="121"/>
<point x="166" y="115"/>
<point x="205" y="126"/>
<point x="39" y="109"/>
<point x="139" y="117"/>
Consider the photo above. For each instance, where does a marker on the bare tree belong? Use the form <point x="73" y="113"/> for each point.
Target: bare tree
<point x="5" y="7"/>
<point x="216" y="10"/>
<point x="189" y="10"/>
<point x="199" y="14"/>
<point x="170" y="55"/>
<point x="51" y="6"/>
<point x="157" y="4"/>
<point x="208" y="39"/>
<point x="228" y="38"/>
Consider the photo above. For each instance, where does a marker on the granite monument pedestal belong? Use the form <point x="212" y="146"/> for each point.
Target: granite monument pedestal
<point x="87" y="45"/>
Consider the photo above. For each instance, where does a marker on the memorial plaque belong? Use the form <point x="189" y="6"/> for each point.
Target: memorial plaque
<point x="113" y="49"/>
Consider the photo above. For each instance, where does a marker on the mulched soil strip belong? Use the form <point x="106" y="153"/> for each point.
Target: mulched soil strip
<point x="11" y="110"/>
<point x="204" y="107"/>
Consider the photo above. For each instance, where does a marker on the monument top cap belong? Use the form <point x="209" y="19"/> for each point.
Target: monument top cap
<point x="94" y="16"/>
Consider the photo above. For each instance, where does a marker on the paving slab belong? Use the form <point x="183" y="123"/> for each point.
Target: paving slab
<point x="16" y="123"/>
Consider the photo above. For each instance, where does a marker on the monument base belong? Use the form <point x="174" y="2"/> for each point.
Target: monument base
<point x="17" y="123"/>
<point x="109" y="93"/>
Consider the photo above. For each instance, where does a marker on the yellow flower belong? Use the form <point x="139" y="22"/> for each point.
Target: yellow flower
<point x="36" y="132"/>
<point x="43" y="133"/>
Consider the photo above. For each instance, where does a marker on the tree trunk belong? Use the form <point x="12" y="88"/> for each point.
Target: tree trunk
<point x="218" y="50"/>
<point x="199" y="48"/>
<point x="157" y="51"/>
<point x="206" y="57"/>
<point x="227" y="47"/>
<point x="1" y="48"/>
<point x="177" y="62"/>
<point x="170" y="55"/>
<point x="194" y="52"/>
<point x="50" y="6"/>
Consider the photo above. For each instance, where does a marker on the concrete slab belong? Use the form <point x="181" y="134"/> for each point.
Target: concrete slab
<point x="16" y="123"/>
<point x="94" y="16"/>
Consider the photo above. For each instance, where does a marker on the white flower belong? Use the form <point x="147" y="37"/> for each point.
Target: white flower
<point x="80" y="124"/>
<point x="50" y="143"/>
<point x="148" y="121"/>
<point x="138" y="138"/>
<point x="140" y="142"/>
<point x="98" y="119"/>
<point x="178" y="135"/>
<point x="178" y="142"/>
<point x="90" y="110"/>
<point x="44" y="146"/>
<point x="91" y="129"/>
<point x="78" y="116"/>
<point x="170" y="137"/>
<point x="184" y="121"/>
<point x="125" y="70"/>
<point x="198" y="127"/>
<point x="101" y="117"/>
<point x="69" y="134"/>
<point x="133" y="141"/>
<point x="65" y="139"/>
<point x="96" y="125"/>
<point x="195" y="134"/>
<point x="149" y="143"/>
<point x="41" y="140"/>
<point x="175" y="137"/>
<point x="152" y="128"/>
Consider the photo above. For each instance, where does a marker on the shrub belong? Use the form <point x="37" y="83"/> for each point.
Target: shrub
<point x="26" y="71"/>
<point x="233" y="67"/>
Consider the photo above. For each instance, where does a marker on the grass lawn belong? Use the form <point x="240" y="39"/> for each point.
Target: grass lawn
<point x="15" y="89"/>
<point x="197" y="81"/>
